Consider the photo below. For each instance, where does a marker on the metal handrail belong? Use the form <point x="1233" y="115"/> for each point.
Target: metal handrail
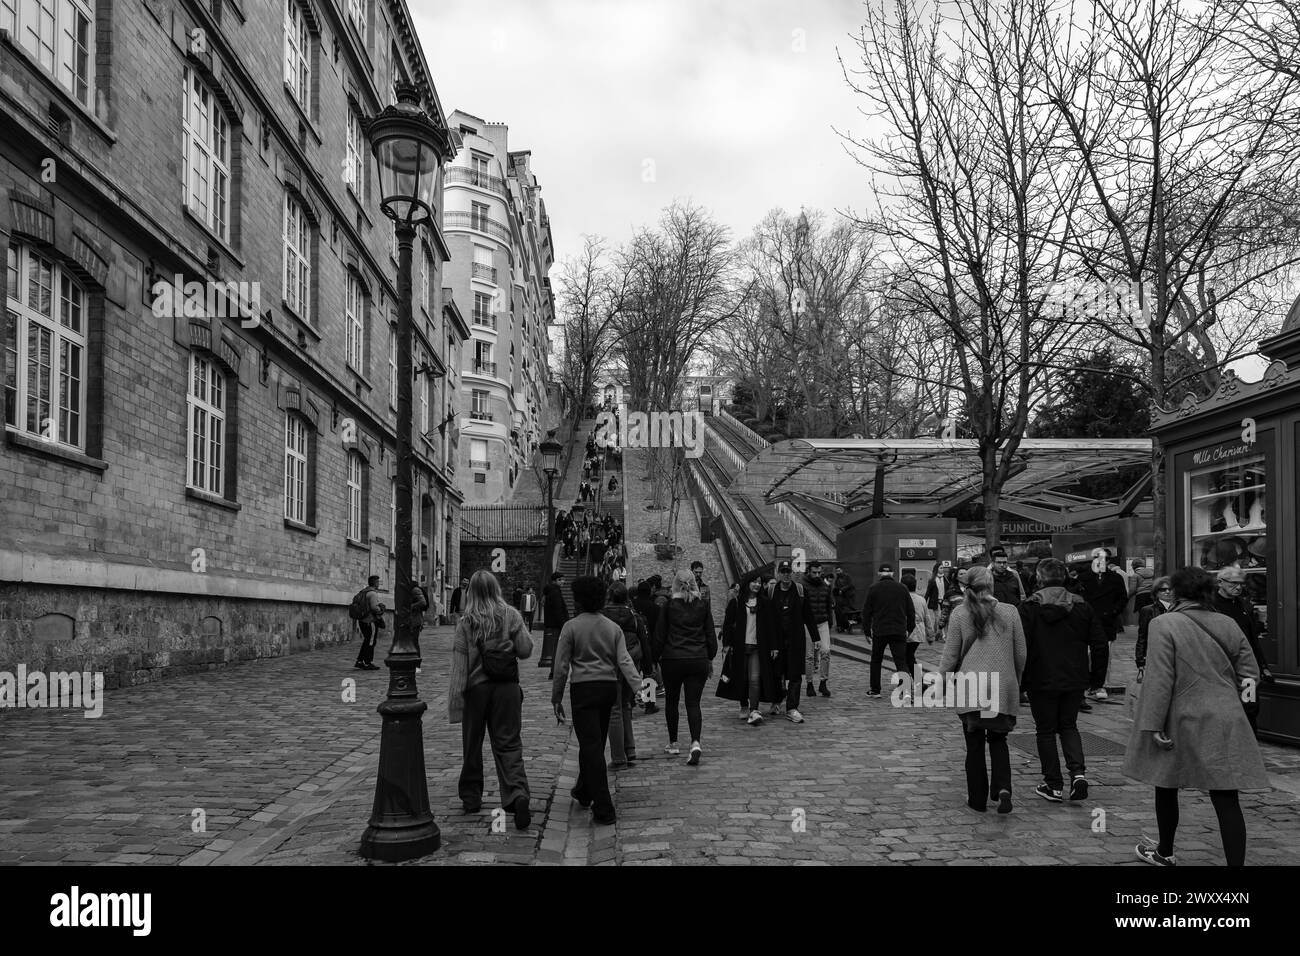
<point x="468" y="174"/>
<point x="484" y="224"/>
<point x="482" y="270"/>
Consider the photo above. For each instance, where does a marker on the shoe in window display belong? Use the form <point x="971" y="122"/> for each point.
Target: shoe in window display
<point x="1255" y="514"/>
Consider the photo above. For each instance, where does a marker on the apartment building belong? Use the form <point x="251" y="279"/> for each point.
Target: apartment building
<point x="501" y="254"/>
<point x="199" y="356"/>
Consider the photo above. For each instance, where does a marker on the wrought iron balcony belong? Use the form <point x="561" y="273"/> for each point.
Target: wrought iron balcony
<point x="483" y="271"/>
<point x="467" y="174"/>
<point x="485" y="320"/>
<point x="484" y="224"/>
<point x="485" y="368"/>
<point x="474" y="463"/>
<point x="480" y="415"/>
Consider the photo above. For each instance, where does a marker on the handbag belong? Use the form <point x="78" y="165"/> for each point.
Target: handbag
<point x="1250" y="706"/>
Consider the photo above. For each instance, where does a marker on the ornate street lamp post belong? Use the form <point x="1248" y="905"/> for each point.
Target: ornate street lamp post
<point x="550" y="451"/>
<point x="410" y="149"/>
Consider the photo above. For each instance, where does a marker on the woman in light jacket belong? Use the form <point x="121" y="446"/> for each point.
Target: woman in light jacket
<point x="987" y="640"/>
<point x="478" y="703"/>
<point x="1190" y="730"/>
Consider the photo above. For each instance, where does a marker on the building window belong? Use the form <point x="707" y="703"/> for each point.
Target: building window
<point x="207" y="418"/>
<point x="354" y="314"/>
<point x="297" y="54"/>
<point x="356" y="485"/>
<point x="481" y="171"/>
<point x="355" y="168"/>
<point x="207" y="156"/>
<point x="478" y="453"/>
<point x="479" y="405"/>
<point x="297" y="258"/>
<point x="58" y="35"/>
<point x="295" y="468"/>
<point x="478" y="216"/>
<point x="424" y="398"/>
<point x="427" y="261"/>
<point x="483" y="363"/>
<point x="45" y="349"/>
<point x="392" y="366"/>
<point x="357" y="14"/>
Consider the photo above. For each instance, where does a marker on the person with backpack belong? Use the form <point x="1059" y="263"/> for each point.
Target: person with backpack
<point x="789" y="620"/>
<point x="1007" y="586"/>
<point x="1059" y="627"/>
<point x="648" y="607"/>
<point x="594" y="648"/>
<point x="622" y="745"/>
<point x="556" y="611"/>
<point x="457" y="599"/>
<point x="368" y="611"/>
<point x="485" y="695"/>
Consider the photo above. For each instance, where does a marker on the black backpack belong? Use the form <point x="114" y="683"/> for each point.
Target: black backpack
<point x="360" y="607"/>
<point x="499" y="662"/>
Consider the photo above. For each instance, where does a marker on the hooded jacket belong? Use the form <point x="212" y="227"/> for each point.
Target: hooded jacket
<point x="1059" y="627"/>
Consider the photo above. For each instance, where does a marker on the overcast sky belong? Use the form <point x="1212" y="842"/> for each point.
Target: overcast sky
<point x="728" y="102"/>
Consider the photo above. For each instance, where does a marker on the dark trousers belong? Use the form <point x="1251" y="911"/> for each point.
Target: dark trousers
<point x="978" y="785"/>
<point x="528" y="618"/>
<point x="1056" y="713"/>
<point x="1232" y="824"/>
<point x="550" y="641"/>
<point x="1101" y="658"/>
<point x="592" y="702"/>
<point x="691" y="674"/>
<point x="897" y="644"/>
<point x="753" y="674"/>
<point x="793" y="688"/>
<point x="622" y="743"/>
<point x="911" y="657"/>
<point x="498" y="708"/>
<point x="369" y="638"/>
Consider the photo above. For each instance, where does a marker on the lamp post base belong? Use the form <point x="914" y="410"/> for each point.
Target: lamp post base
<point x="401" y="823"/>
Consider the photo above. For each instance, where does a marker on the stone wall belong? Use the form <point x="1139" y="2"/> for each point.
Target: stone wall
<point x="134" y="637"/>
<point x="524" y="563"/>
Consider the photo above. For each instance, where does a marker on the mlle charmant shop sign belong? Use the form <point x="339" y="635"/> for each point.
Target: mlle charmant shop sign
<point x="1224" y="452"/>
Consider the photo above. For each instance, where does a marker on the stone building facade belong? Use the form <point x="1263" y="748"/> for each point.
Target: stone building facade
<point x="502" y="253"/>
<point x="199" y="358"/>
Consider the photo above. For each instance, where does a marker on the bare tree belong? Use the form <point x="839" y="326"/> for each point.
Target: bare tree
<point x="590" y="293"/>
<point x="972" y="199"/>
<point x="677" y="285"/>
<point x="1191" y="169"/>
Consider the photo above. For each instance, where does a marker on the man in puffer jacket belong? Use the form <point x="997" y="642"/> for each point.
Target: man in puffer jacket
<point x="1060" y="629"/>
<point x="822" y="605"/>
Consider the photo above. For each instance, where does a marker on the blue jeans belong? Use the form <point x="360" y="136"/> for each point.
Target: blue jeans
<point x="622" y="746"/>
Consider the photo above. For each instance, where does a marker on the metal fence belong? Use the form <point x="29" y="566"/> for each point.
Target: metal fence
<point x="502" y="522"/>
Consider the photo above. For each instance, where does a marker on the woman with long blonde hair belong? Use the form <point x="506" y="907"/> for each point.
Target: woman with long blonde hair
<point x="987" y="639"/>
<point x="485" y="695"/>
<point x="685" y="645"/>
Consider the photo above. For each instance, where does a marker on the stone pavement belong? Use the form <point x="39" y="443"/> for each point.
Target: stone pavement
<point x="283" y="771"/>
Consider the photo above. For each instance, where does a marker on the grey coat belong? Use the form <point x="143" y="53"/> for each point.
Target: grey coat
<point x="1191" y="693"/>
<point x="1000" y="651"/>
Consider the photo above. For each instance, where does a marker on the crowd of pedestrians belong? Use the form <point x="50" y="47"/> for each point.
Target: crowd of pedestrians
<point x="1044" y="635"/>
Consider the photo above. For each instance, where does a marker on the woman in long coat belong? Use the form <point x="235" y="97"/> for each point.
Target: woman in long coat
<point x="1190" y="730"/>
<point x="749" y="670"/>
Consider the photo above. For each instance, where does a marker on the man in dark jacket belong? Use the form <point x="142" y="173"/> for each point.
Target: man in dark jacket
<point x="888" y="615"/>
<point x="556" y="611"/>
<point x="1060" y="629"/>
<point x="1007" y="586"/>
<point x="1228" y="600"/>
<point x="790" y="619"/>
<point x="822" y="603"/>
<point x="457" y="598"/>
<point x="622" y="743"/>
<point x="1107" y="593"/>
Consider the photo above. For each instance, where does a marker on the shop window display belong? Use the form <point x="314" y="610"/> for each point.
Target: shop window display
<point x="1228" y="527"/>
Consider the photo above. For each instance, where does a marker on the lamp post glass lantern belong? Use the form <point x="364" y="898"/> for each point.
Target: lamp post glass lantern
<point x="409" y="148"/>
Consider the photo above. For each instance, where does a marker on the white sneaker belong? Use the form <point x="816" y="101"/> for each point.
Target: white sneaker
<point x="672" y="748"/>
<point x="1100" y="694"/>
<point x="744" y="714"/>
<point x="794" y="716"/>
<point x="754" y="718"/>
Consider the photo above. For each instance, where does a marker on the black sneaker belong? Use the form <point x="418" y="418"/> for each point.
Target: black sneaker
<point x="1085" y="708"/>
<point x="523" y="813"/>
<point x="360" y="665"/>
<point x="1047" y="793"/>
<point x="584" y="801"/>
<point x="1079" y="788"/>
<point x="811" y="692"/>
<point x="1004" y="801"/>
<point x="823" y="689"/>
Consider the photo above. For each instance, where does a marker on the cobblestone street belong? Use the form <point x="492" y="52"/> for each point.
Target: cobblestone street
<point x="280" y="770"/>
